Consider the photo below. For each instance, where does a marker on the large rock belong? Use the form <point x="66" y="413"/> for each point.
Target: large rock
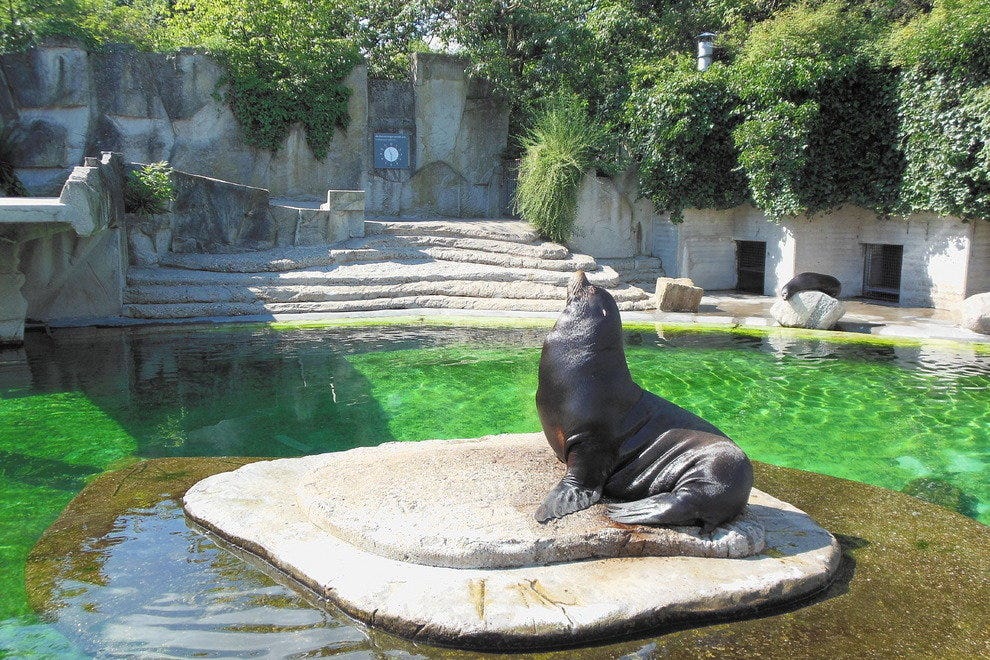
<point x="436" y="513"/>
<point x="210" y="215"/>
<point x="975" y="313"/>
<point x="294" y="512"/>
<point x="678" y="295"/>
<point x="808" y="309"/>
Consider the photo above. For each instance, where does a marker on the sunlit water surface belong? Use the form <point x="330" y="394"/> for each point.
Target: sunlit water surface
<point x="78" y="403"/>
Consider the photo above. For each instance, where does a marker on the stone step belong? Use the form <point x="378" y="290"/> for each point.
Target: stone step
<point x="536" y="250"/>
<point x="365" y="250"/>
<point x="641" y="271"/>
<point x="515" y="231"/>
<point x="197" y="310"/>
<point x="163" y="294"/>
<point x="368" y="273"/>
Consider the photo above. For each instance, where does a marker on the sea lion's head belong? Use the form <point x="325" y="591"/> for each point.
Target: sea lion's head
<point x="593" y="309"/>
<point x="785" y="291"/>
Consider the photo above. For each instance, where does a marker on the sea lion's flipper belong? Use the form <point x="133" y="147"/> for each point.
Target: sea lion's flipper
<point x="566" y="497"/>
<point x="675" y="508"/>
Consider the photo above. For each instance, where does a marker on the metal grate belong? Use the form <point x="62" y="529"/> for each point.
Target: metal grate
<point x="882" y="271"/>
<point x="751" y="263"/>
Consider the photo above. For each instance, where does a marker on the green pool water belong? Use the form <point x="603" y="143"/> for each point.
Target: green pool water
<point x="82" y="402"/>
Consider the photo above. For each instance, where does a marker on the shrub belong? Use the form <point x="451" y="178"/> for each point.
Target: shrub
<point x="148" y="189"/>
<point x="680" y="123"/>
<point x="557" y="151"/>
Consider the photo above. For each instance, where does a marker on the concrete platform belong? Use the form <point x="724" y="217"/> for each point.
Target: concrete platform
<point x="273" y="510"/>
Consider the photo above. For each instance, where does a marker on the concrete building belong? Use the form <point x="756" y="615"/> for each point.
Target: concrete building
<point x="919" y="261"/>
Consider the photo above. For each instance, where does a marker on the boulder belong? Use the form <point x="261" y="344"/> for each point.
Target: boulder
<point x="808" y="309"/>
<point x="678" y="295"/>
<point x="975" y="314"/>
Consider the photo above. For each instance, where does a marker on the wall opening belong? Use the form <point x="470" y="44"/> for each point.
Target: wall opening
<point x="882" y="271"/>
<point x="751" y="265"/>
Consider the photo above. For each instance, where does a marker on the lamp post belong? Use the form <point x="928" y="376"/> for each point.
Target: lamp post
<point x="705" y="49"/>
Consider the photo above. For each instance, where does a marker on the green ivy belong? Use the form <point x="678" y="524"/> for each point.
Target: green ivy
<point x="818" y="108"/>
<point x="286" y="62"/>
<point x="680" y="126"/>
<point x="802" y="121"/>
<point x="944" y="111"/>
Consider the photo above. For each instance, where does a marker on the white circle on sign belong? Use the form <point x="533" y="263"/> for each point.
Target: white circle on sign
<point x="391" y="154"/>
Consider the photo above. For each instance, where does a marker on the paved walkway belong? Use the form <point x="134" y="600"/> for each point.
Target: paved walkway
<point x="718" y="308"/>
<point x="870" y="317"/>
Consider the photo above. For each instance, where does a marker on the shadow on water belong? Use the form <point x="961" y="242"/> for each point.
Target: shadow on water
<point x="44" y="472"/>
<point x="242" y="392"/>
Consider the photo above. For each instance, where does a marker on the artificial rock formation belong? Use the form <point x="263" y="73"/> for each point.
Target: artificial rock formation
<point x="418" y="509"/>
<point x="158" y="106"/>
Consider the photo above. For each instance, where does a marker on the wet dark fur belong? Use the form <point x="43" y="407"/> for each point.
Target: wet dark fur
<point x="811" y="282"/>
<point x="663" y="464"/>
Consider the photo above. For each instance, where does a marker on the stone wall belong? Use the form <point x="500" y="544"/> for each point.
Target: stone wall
<point x="944" y="258"/>
<point x="69" y="103"/>
<point x="978" y="278"/>
<point x="458" y="131"/>
<point x="157" y="106"/>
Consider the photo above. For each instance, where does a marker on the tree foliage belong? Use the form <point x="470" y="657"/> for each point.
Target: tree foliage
<point x="811" y="103"/>
<point x="944" y="110"/>
<point x="817" y="108"/>
<point x="680" y="125"/>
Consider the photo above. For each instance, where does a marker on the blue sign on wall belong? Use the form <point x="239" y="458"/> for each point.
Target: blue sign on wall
<point x="391" y="151"/>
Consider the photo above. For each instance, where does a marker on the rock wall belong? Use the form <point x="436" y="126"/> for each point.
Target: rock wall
<point x="74" y="265"/>
<point x="612" y="220"/>
<point x="978" y="278"/>
<point x="209" y="215"/>
<point x="458" y="131"/>
<point x="158" y="106"/>
<point x="69" y="103"/>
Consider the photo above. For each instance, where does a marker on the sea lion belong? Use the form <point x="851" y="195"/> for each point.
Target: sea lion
<point x="659" y="463"/>
<point x="811" y="282"/>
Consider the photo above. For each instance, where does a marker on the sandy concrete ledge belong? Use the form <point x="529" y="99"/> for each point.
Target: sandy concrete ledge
<point x="867" y="321"/>
<point x="257" y="508"/>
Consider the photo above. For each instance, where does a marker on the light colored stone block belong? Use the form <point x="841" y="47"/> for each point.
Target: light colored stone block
<point x="259" y="507"/>
<point x="678" y="295"/>
<point x="808" y="309"/>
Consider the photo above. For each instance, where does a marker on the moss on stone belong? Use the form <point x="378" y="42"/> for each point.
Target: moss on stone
<point x="942" y="493"/>
<point x="914" y="581"/>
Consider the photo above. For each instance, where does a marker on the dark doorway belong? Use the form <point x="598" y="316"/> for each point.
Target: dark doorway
<point x="882" y="272"/>
<point x="751" y="263"/>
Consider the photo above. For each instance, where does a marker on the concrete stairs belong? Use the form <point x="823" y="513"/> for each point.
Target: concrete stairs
<point x="452" y="264"/>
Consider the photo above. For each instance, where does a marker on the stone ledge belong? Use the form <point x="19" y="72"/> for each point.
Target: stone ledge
<point x="470" y="504"/>
<point x="256" y="508"/>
